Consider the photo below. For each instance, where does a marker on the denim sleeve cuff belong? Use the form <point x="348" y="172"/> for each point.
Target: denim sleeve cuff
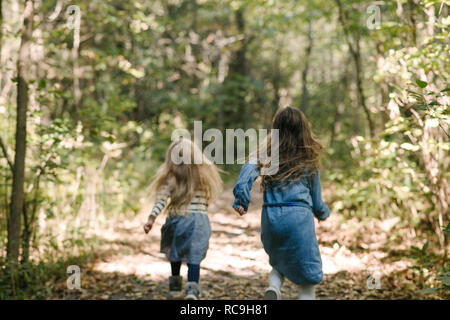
<point x="239" y="203"/>
<point x="324" y="214"/>
<point x="239" y="197"/>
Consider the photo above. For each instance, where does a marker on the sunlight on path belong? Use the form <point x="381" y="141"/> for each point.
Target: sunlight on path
<point x="236" y="260"/>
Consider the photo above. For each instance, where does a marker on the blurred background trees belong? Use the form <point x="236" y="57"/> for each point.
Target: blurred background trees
<point x="100" y="100"/>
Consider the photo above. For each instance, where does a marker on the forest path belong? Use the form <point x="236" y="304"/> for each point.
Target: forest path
<point x="129" y="265"/>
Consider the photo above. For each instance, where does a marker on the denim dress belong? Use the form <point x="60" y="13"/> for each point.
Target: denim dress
<point x="186" y="238"/>
<point x="287" y="223"/>
<point x="185" y="235"/>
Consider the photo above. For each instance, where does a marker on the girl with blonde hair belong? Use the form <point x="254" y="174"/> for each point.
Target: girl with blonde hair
<point x="184" y="187"/>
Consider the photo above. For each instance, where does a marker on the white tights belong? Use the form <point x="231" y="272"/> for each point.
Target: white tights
<point x="275" y="279"/>
<point x="306" y="291"/>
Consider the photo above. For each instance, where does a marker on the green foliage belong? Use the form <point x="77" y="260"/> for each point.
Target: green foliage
<point x="426" y="261"/>
<point x="145" y="68"/>
<point x="403" y="172"/>
<point x="37" y="280"/>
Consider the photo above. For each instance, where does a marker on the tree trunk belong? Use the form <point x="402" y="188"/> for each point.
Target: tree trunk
<point x="305" y="97"/>
<point x="413" y="20"/>
<point x="221" y="75"/>
<point x="17" y="196"/>
<point x="195" y="15"/>
<point x="1" y="28"/>
<point x="355" y="51"/>
<point x="29" y="221"/>
<point x="240" y="63"/>
<point x="76" y="69"/>
<point x="340" y="108"/>
<point x="1" y="41"/>
<point x="239" y="66"/>
<point x="384" y="92"/>
<point x="276" y="84"/>
<point x="359" y="86"/>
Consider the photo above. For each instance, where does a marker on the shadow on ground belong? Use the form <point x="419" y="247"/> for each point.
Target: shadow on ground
<point x="128" y="264"/>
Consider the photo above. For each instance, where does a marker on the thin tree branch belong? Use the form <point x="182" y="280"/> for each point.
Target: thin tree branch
<point x="5" y="153"/>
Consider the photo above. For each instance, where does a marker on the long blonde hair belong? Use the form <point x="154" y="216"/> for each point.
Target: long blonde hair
<point x="186" y="178"/>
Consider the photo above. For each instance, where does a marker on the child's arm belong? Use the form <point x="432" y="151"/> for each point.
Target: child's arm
<point x="320" y="209"/>
<point x="241" y="191"/>
<point x="161" y="201"/>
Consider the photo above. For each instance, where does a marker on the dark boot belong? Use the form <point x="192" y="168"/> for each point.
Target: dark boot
<point x="175" y="284"/>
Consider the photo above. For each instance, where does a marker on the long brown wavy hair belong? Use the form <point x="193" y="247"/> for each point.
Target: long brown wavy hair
<point x="185" y="179"/>
<point x="299" y="151"/>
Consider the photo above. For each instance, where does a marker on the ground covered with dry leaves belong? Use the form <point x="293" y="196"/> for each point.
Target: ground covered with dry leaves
<point x="128" y="264"/>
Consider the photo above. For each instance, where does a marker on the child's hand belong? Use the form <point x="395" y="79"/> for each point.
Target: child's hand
<point x="148" y="226"/>
<point x="240" y="210"/>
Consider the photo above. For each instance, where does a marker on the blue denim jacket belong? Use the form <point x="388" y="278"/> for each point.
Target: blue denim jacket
<point x="306" y="192"/>
<point x="287" y="224"/>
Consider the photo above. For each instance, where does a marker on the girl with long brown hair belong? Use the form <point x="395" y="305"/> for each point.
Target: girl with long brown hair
<point x="184" y="188"/>
<point x="292" y="197"/>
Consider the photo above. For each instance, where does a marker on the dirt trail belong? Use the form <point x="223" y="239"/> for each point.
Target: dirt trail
<point x="129" y="265"/>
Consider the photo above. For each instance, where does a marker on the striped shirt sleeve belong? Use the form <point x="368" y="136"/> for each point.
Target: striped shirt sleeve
<point x="161" y="200"/>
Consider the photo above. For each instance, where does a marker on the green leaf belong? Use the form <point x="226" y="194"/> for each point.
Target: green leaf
<point x="42" y="84"/>
<point x="447" y="229"/>
<point x="429" y="290"/>
<point x="425" y="247"/>
<point x="421" y="83"/>
<point x="50" y="213"/>
<point x="444" y="279"/>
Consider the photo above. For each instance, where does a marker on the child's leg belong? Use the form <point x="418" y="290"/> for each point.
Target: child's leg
<point x="275" y="279"/>
<point x="307" y="292"/>
<point x="176" y="268"/>
<point x="192" y="288"/>
<point x="193" y="272"/>
<point x="273" y="292"/>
